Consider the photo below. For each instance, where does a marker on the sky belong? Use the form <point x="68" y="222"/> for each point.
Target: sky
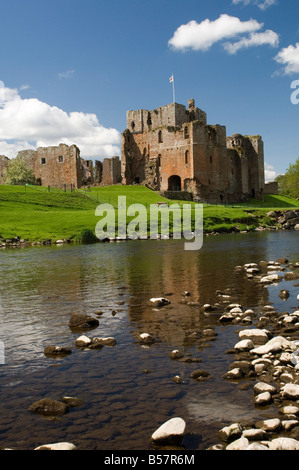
<point x="71" y="69"/>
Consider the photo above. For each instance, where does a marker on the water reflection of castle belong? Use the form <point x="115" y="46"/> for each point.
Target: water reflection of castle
<point x="165" y="269"/>
<point x="86" y="279"/>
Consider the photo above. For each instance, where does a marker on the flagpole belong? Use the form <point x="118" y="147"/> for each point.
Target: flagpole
<point x="173" y="88"/>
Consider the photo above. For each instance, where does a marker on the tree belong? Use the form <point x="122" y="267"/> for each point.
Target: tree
<point x="289" y="182"/>
<point x="17" y="172"/>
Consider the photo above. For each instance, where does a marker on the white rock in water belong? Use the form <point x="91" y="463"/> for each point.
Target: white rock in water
<point x="57" y="446"/>
<point x="257" y="446"/>
<point x="263" y="398"/>
<point x="262" y="387"/>
<point x="240" y="444"/>
<point x="159" y="302"/>
<point x="275" y="344"/>
<point x="290" y="410"/>
<point x="290" y="391"/>
<point x="236" y="310"/>
<point x="83" y="341"/>
<point x="146" y="338"/>
<point x="271" y="278"/>
<point x="250" y="265"/>
<point x="284" y="443"/>
<point x="256" y="335"/>
<point x="270" y="425"/>
<point x="244" y="345"/>
<point x="171" y="430"/>
<point x="255" y="434"/>
<point x="109" y="341"/>
<point x="289" y="424"/>
<point x="234" y="431"/>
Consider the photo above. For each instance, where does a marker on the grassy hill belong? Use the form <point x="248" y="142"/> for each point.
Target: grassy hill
<point x="36" y="214"/>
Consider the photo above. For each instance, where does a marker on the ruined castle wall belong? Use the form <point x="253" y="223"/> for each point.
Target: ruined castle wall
<point x="58" y="166"/>
<point x="111" y="171"/>
<point x="234" y="173"/>
<point x="271" y="188"/>
<point x="251" y="153"/>
<point x="29" y="157"/>
<point x="86" y="172"/>
<point x="173" y="115"/>
<point x="210" y="158"/>
<point x="258" y="146"/>
<point x="98" y="172"/>
<point x="4" y="162"/>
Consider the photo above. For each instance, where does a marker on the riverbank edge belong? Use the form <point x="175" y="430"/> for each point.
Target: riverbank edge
<point x="278" y="225"/>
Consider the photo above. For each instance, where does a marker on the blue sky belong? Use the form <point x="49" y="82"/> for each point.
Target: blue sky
<point x="70" y="69"/>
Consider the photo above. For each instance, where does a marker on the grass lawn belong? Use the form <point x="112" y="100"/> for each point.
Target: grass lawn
<point x="36" y="214"/>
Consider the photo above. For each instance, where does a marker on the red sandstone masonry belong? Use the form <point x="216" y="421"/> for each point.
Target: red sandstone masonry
<point x="62" y="167"/>
<point x="173" y="148"/>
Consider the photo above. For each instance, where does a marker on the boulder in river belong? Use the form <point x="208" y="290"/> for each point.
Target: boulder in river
<point x="170" y="432"/>
<point x="79" y="321"/>
<point x="49" y="407"/>
<point x="57" y="351"/>
<point x="159" y="301"/>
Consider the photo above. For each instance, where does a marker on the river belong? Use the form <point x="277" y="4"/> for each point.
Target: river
<point x="128" y="390"/>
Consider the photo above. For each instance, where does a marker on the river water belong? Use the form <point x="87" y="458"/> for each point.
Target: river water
<point x="128" y="389"/>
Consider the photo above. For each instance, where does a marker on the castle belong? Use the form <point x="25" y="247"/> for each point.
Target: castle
<point x="62" y="167"/>
<point x="172" y="149"/>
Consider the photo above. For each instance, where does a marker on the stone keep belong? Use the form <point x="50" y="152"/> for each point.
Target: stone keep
<point x="174" y="149"/>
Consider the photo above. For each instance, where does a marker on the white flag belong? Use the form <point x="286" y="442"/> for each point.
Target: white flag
<point x="171" y="79"/>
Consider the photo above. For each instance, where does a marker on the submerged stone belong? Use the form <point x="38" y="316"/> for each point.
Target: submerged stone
<point x="170" y="432"/>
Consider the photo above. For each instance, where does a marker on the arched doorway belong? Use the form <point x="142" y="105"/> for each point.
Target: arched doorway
<point x="174" y="183"/>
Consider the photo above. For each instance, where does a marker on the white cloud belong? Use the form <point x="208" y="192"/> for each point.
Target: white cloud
<point x="202" y="36"/>
<point x="31" y="123"/>
<point x="262" y="4"/>
<point x="289" y="57"/>
<point x="68" y="74"/>
<point x="255" y="39"/>
<point x="270" y="173"/>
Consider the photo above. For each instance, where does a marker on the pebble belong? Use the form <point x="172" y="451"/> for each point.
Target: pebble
<point x="57" y="446"/>
<point x="262" y="387"/>
<point x="244" y="345"/>
<point x="239" y="444"/>
<point x="159" y="301"/>
<point x="270" y="425"/>
<point x="284" y="443"/>
<point x="229" y="433"/>
<point x="257" y="336"/>
<point x="171" y="431"/>
<point x="263" y="398"/>
<point x="290" y="391"/>
<point x="146" y="338"/>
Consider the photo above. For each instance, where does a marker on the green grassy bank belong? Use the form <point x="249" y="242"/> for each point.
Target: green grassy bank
<point x="36" y="214"/>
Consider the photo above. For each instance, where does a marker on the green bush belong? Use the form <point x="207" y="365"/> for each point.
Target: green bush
<point x="86" y="236"/>
<point x="17" y="172"/>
